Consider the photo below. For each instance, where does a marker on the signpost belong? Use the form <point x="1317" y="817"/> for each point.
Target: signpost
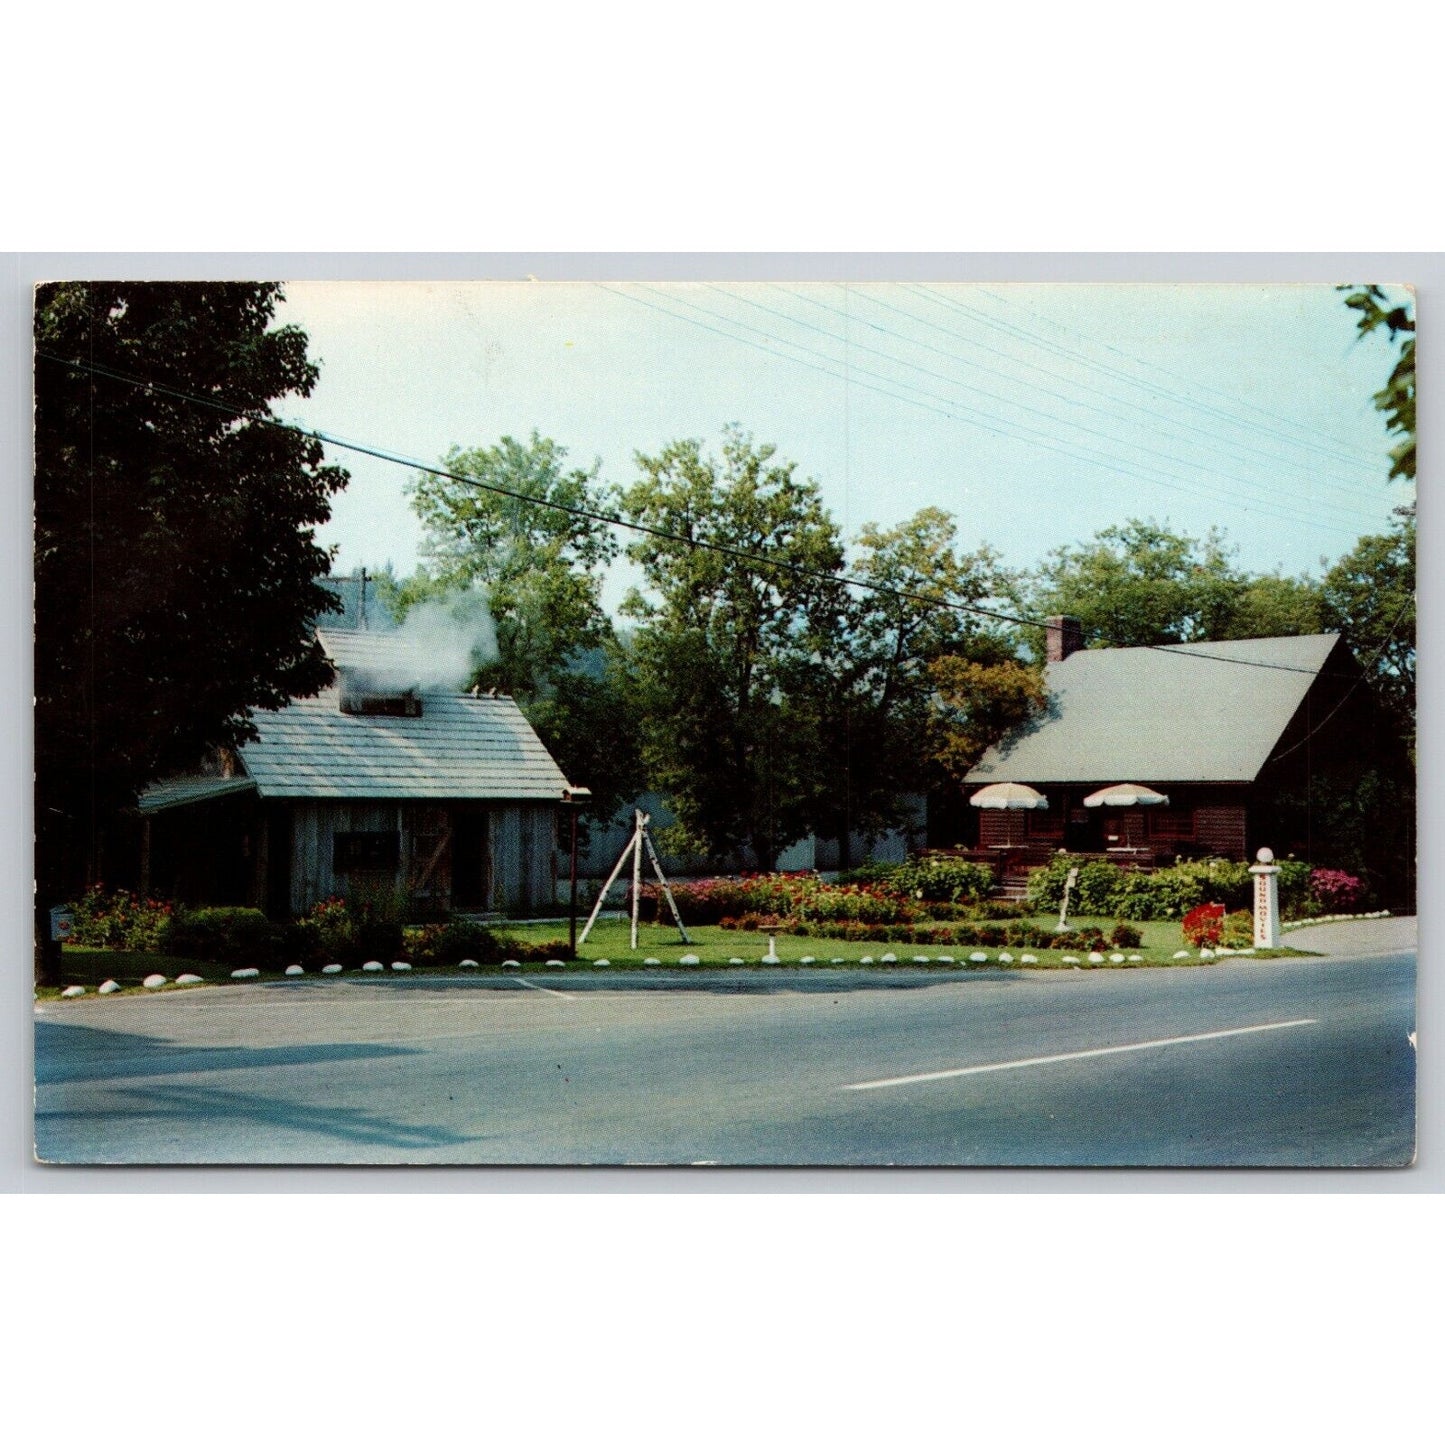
<point x="1266" y="900"/>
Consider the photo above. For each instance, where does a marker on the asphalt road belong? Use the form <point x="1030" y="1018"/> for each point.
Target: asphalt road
<point x="1283" y="1062"/>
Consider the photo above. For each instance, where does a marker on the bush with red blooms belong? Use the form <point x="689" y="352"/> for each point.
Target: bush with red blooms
<point x="1204" y="926"/>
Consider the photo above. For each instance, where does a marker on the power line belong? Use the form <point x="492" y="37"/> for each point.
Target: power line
<point x="1345" y="513"/>
<point x="611" y="519"/>
<point x="971" y="416"/>
<point x="1236" y="450"/>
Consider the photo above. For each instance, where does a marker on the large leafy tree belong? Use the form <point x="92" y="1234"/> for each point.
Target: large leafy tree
<point x="512" y="525"/>
<point x="176" y="563"/>
<point x="1140" y="585"/>
<point x="511" y="520"/>
<point x="875" y="705"/>
<point x="724" y="630"/>
<point x="1375" y="309"/>
<point x="1369" y="595"/>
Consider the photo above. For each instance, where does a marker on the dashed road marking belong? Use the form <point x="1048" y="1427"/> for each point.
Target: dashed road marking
<point x="1081" y="1054"/>
<point x="528" y="984"/>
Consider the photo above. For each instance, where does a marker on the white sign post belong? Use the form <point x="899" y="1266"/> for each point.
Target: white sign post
<point x="1266" y="900"/>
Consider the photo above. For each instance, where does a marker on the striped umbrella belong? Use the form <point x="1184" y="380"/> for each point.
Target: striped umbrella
<point x="1009" y="795"/>
<point x="1124" y="795"/>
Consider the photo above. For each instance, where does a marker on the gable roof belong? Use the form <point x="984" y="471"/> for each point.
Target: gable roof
<point x="1188" y="713"/>
<point x="460" y="747"/>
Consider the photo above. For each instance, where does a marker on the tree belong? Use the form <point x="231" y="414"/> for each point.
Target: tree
<point x="1396" y="399"/>
<point x="176" y="564"/>
<point x="874" y="699"/>
<point x="1140" y="585"/>
<point x="978" y="702"/>
<point x="723" y="638"/>
<point x="514" y="528"/>
<point x="1369" y="596"/>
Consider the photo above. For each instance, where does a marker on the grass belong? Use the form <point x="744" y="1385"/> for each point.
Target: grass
<point x="714" y="946"/>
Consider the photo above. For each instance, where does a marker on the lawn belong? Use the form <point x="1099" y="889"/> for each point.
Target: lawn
<point x="91" y="967"/>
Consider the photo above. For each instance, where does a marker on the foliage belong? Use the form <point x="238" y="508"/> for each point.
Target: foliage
<point x="978" y="702"/>
<point x="224" y="935"/>
<point x="937" y="880"/>
<point x="974" y="934"/>
<point x="1396" y="399"/>
<point x="1092" y="893"/>
<point x="1125" y="935"/>
<point x="119" y="920"/>
<point x="1204" y="926"/>
<point x="1238" y="929"/>
<point x="728" y="733"/>
<point x="875" y="721"/>
<point x="450" y="942"/>
<point x="1369" y="596"/>
<point x="1335" y="890"/>
<point x="539" y="566"/>
<point x="176" y="563"/>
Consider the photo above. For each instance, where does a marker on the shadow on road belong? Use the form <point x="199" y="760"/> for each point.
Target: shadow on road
<point x="65" y="1053"/>
<point x="227" y="1108"/>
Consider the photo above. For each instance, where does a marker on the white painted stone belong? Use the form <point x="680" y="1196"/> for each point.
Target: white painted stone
<point x="889" y="958"/>
<point x="1221" y="950"/>
<point x="1182" y="953"/>
<point x="867" y="958"/>
<point x="1136" y="958"/>
<point x="1028" y="958"/>
<point x="251" y="972"/>
<point x="1005" y="958"/>
<point x="1246" y="953"/>
<point x="510" y="963"/>
<point x="330" y="968"/>
<point x="1206" y="953"/>
<point x="652" y="962"/>
<point x="978" y="958"/>
<point x="920" y="958"/>
<point x="944" y="958"/>
<point x="556" y="963"/>
<point x="601" y="963"/>
<point x="109" y="986"/>
<point x="190" y="978"/>
<point x="1116" y="958"/>
<point x="689" y="958"/>
<point x="293" y="970"/>
<point x="373" y="965"/>
<point x="1096" y="957"/>
<point x="736" y="962"/>
<point x="468" y="963"/>
<point x="1071" y="958"/>
<point x="74" y="991"/>
<point x="807" y="958"/>
<point x="401" y="965"/>
<point x="835" y="960"/>
<point x="154" y="980"/>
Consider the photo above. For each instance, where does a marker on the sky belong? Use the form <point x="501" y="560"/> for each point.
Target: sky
<point x="1037" y="414"/>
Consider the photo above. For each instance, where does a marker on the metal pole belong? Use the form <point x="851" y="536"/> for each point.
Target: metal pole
<point x="572" y="906"/>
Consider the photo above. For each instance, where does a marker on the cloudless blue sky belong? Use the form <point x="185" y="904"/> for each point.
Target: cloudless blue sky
<point x="1037" y="414"/>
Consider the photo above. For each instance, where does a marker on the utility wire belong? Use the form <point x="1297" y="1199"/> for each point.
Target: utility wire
<point x="1236" y="451"/>
<point x="958" y="411"/>
<point x="741" y="554"/>
<point x="1346" y="513"/>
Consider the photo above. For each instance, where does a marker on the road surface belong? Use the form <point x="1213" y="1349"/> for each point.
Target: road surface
<point x="1249" y="1062"/>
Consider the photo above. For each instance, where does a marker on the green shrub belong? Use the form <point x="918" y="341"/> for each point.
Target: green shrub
<point x="1238" y="930"/>
<point x="450" y="942"/>
<point x="224" y="935"/>
<point x="119" y="920"/>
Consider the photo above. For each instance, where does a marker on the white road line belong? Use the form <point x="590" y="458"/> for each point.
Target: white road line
<point x="540" y="989"/>
<point x="1082" y="1054"/>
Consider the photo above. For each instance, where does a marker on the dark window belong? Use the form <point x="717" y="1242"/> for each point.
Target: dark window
<point x="1171" y="822"/>
<point x="365" y="852"/>
<point x="381" y="704"/>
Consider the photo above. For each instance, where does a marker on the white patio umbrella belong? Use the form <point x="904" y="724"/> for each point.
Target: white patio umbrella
<point x="1009" y="795"/>
<point x="1125" y="795"/>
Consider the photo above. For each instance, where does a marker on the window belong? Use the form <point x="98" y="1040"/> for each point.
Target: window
<point x="380" y="704"/>
<point x="1171" y="822"/>
<point x="365" y="852"/>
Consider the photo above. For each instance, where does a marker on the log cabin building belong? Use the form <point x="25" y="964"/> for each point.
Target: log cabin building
<point x="1234" y="734"/>
<point x="377" y="784"/>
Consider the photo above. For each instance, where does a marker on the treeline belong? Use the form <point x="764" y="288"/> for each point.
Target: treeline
<point x="773" y="680"/>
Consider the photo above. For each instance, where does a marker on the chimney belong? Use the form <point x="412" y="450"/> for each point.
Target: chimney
<point x="1063" y="635"/>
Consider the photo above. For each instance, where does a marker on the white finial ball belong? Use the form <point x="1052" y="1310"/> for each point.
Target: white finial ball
<point x="1265" y="855"/>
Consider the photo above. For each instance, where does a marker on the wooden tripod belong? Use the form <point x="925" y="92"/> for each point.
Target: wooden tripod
<point x="635" y="844"/>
